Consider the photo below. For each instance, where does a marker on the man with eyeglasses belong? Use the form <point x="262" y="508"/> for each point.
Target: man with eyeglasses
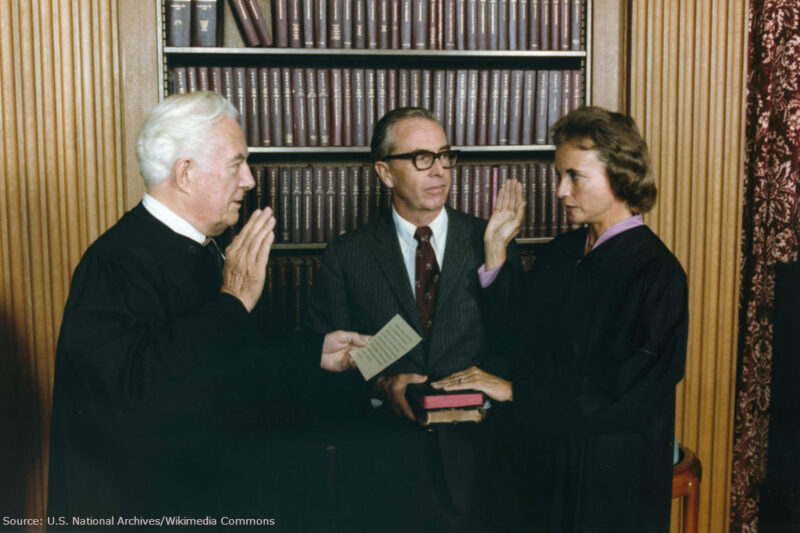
<point x="419" y="261"/>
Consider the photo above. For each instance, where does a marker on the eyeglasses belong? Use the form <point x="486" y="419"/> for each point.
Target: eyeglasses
<point x="423" y="159"/>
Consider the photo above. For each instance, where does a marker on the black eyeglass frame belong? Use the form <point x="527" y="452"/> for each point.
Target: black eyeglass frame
<point x="453" y="154"/>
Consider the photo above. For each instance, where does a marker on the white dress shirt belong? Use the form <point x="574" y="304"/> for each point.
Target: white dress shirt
<point x="408" y="244"/>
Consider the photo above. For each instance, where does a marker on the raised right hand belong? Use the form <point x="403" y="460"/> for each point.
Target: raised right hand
<point x="504" y="224"/>
<point x="246" y="259"/>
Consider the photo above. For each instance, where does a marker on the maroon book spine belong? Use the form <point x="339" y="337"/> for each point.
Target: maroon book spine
<point x="321" y="24"/>
<point x="318" y="186"/>
<point x="415" y="88"/>
<point x="285" y="208"/>
<point x="381" y="101"/>
<point x="330" y="203"/>
<point x="180" y="82"/>
<point x="472" y="108"/>
<point x="204" y="22"/>
<point x="372" y="24"/>
<point x="555" y="204"/>
<point x="450" y="104"/>
<point x="494" y="108"/>
<point x="514" y="107"/>
<point x="530" y="199"/>
<point x="438" y="95"/>
<point x="191" y="79"/>
<point x="280" y="23"/>
<point x="299" y="106"/>
<point x="433" y="25"/>
<point x="544" y="202"/>
<point x="384" y="24"/>
<point x="253" y="117"/>
<point x="227" y="83"/>
<point x="449" y="25"/>
<point x="465" y="201"/>
<point x="367" y="192"/>
<point x="215" y="79"/>
<point x="540" y="130"/>
<point x="312" y="107"/>
<point x="272" y="198"/>
<point x="534" y="24"/>
<point x="522" y="24"/>
<point x="483" y="25"/>
<point x="419" y="29"/>
<point x="461" y="25"/>
<point x="257" y="196"/>
<point x="576" y="23"/>
<point x="493" y="25"/>
<point x="354" y="183"/>
<point x="483" y="107"/>
<point x="324" y="115"/>
<point x="394" y="17"/>
<point x="347" y="107"/>
<point x="240" y="96"/>
<point x="264" y="36"/>
<point x="334" y="24"/>
<point x="460" y="127"/>
<point x="288" y="108"/>
<point x="275" y="106"/>
<point x="245" y="22"/>
<point x="336" y="107"/>
<point x="452" y="198"/>
<point x="566" y="92"/>
<point x="263" y="107"/>
<point x="203" y="82"/>
<point x="369" y="104"/>
<point x="544" y="24"/>
<point x="406" y="19"/>
<point x="295" y="24"/>
<point x="481" y="185"/>
<point x="528" y="107"/>
<point x="512" y="24"/>
<point x="505" y="100"/>
<point x="308" y="205"/>
<point x="347" y="23"/>
<point x="391" y="89"/>
<point x="297" y="204"/>
<point x="179" y="22"/>
<point x="520" y="173"/>
<point x="577" y="89"/>
<point x="342" y="193"/>
<point x="440" y="24"/>
<point x="425" y="88"/>
<point x="359" y="120"/>
<point x="555" y="24"/>
<point x="359" y="24"/>
<point x="309" y="16"/>
<point x="403" y="87"/>
<point x="553" y="100"/>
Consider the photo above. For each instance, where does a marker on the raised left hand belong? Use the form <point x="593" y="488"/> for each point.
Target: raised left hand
<point x="474" y="378"/>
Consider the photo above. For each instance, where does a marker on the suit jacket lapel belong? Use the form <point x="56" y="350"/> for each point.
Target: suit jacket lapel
<point x="456" y="254"/>
<point x="390" y="259"/>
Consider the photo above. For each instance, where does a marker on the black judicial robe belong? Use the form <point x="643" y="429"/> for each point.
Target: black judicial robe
<point x="158" y="376"/>
<point x="601" y="345"/>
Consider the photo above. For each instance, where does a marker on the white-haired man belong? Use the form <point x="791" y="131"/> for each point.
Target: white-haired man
<point x="159" y="364"/>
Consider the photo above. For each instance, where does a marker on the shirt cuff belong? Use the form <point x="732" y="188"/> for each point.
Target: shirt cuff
<point x="487" y="277"/>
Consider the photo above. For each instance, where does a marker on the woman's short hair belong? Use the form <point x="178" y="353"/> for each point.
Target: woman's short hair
<point x="178" y="127"/>
<point x="619" y="145"/>
<point x="382" y="142"/>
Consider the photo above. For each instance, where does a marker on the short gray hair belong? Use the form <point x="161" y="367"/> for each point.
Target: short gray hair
<point x="382" y="142"/>
<point x="178" y="127"/>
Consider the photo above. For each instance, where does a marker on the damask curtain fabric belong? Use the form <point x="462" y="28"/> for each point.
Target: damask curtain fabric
<point x="771" y="226"/>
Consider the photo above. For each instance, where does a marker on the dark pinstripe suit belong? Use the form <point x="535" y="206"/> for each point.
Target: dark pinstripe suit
<point x="363" y="283"/>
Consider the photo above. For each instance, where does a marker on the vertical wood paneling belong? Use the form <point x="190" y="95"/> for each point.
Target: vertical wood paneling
<point x="61" y="187"/>
<point x="686" y="92"/>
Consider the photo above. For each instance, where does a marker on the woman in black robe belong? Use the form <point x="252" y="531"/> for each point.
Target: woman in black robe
<point x="598" y="329"/>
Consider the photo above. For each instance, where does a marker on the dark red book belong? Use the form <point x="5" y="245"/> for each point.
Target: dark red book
<point x="203" y="83"/>
<point x="297" y="205"/>
<point x="359" y="23"/>
<point x="472" y="108"/>
<point x="342" y="198"/>
<point x="544" y="24"/>
<point x="406" y="21"/>
<point x="354" y="184"/>
<point x="179" y="22"/>
<point x="483" y="107"/>
<point x="288" y="108"/>
<point x="403" y="87"/>
<point x="299" y="106"/>
<point x="493" y="25"/>
<point x="530" y="198"/>
<point x="522" y="175"/>
<point x="482" y="29"/>
<point x="460" y="119"/>
<point x="245" y="22"/>
<point x="528" y="106"/>
<point x="450" y="25"/>
<point x="419" y="26"/>
<point x="540" y="129"/>
<point x="324" y="114"/>
<point x="336" y="107"/>
<point x="512" y="24"/>
<point x="284" y="216"/>
<point x="264" y="36"/>
<point x="365" y="205"/>
<point x="576" y="22"/>
<point x="394" y="24"/>
<point x="481" y="187"/>
<point x="347" y="107"/>
<point x="452" y="198"/>
<point x="321" y="24"/>
<point x="522" y="24"/>
<point x="273" y="197"/>
<point x="555" y="24"/>
<point x="440" y="24"/>
<point x="253" y="120"/>
<point x="295" y="23"/>
<point x="555" y="207"/>
<point x="566" y="91"/>
<point x="318" y="187"/>
<point x="461" y="25"/>
<point x="347" y="23"/>
<point x="426" y="397"/>
<point x="438" y="95"/>
<point x="227" y="83"/>
<point x="433" y="24"/>
<point x="515" y="106"/>
<point x="191" y="79"/>
<point x="180" y="82"/>
<point x="563" y="40"/>
<point x="415" y="88"/>
<point x="391" y="89"/>
<point x="554" y="80"/>
<point x="204" y="22"/>
<point x="543" y="201"/>
<point x="369" y="104"/>
<point x="465" y="202"/>
<point x="384" y="24"/>
<point x="425" y="89"/>
<point x="495" y="87"/>
<point x="275" y="106"/>
<point x="372" y="23"/>
<point x="577" y="89"/>
<point x="258" y="193"/>
<point x="450" y="104"/>
<point x="240" y="96"/>
<point x="334" y="24"/>
<point x="312" y="108"/>
<point x="307" y="222"/>
<point x="280" y="23"/>
<point x="535" y="24"/>
<point x="330" y="203"/>
<point x="263" y="107"/>
<point x="215" y="79"/>
<point x="381" y="98"/>
<point x="359" y="108"/>
<point x="309" y="17"/>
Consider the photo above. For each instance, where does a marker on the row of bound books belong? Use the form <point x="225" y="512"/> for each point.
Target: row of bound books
<point x="287" y="289"/>
<point x="339" y="107"/>
<point x="200" y="22"/>
<point x="314" y="204"/>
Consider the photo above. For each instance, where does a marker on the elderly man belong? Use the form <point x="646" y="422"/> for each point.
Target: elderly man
<point x="161" y="371"/>
<point x="419" y="261"/>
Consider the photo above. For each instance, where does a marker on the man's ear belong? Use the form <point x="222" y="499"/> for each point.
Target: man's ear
<point x="183" y="171"/>
<point x="384" y="173"/>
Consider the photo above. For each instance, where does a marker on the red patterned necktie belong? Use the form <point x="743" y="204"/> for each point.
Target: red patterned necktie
<point x="427" y="274"/>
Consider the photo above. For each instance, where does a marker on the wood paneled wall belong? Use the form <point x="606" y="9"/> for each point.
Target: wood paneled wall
<point x="688" y="65"/>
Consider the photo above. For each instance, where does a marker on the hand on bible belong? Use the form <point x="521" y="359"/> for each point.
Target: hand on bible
<point x="474" y="378"/>
<point x="246" y="258"/>
<point x="392" y="389"/>
<point x="336" y="350"/>
<point x="504" y="224"/>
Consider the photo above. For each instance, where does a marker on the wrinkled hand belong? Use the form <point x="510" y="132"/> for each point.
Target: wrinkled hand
<point x="393" y="390"/>
<point x="246" y="259"/>
<point x="504" y="224"/>
<point x="336" y="350"/>
<point x="474" y="378"/>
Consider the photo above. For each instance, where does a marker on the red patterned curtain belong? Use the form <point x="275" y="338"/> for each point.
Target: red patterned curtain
<point x="771" y="226"/>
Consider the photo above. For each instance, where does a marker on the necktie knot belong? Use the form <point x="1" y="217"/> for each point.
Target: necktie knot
<point x="423" y="234"/>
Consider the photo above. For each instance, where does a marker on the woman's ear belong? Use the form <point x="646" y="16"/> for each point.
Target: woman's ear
<point x="384" y="173"/>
